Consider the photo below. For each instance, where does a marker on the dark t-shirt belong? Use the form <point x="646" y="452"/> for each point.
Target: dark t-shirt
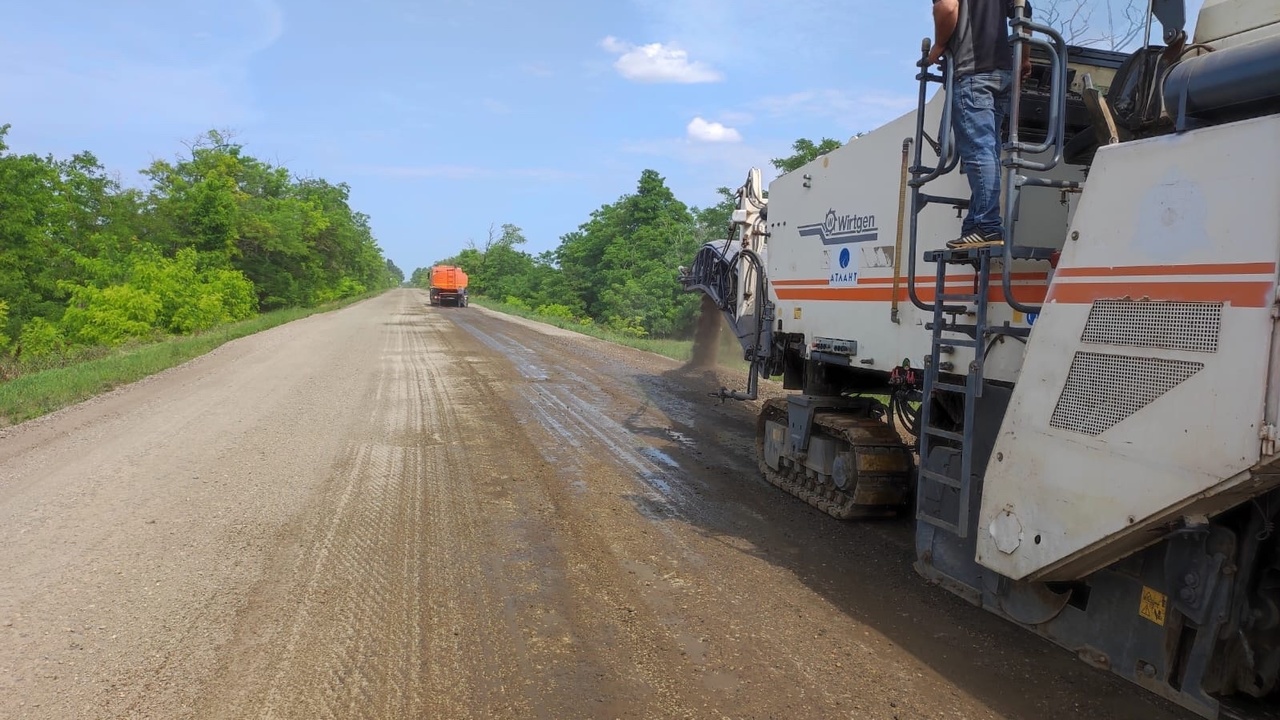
<point x="980" y="42"/>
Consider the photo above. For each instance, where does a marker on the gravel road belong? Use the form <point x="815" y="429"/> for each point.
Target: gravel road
<point x="400" y="511"/>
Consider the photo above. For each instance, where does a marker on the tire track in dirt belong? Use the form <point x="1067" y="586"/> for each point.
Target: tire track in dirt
<point x="652" y="556"/>
<point x="397" y="511"/>
<point x="648" y="559"/>
<point x="134" y="522"/>
<point x="383" y="599"/>
<point x="718" y="571"/>
<point x="428" y="579"/>
<point x="564" y="406"/>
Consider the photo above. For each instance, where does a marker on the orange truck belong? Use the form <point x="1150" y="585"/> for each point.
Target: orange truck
<point x="448" y="286"/>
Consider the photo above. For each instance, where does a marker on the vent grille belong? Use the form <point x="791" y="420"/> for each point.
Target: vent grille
<point x="1192" y="326"/>
<point x="1103" y="389"/>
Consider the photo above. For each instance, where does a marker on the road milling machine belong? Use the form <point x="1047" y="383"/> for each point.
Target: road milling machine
<point x="1082" y="422"/>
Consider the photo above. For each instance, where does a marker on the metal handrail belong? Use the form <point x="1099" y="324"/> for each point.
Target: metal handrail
<point x="948" y="156"/>
<point x="948" y="152"/>
<point x="1057" y="51"/>
<point x="1056" y="129"/>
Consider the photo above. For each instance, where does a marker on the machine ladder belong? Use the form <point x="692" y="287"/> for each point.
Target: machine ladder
<point x="949" y="332"/>
<point x="960" y="320"/>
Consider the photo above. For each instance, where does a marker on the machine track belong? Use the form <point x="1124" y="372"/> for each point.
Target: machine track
<point x="884" y="466"/>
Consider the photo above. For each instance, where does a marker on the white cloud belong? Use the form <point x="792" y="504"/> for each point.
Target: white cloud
<point x="704" y="131"/>
<point x="714" y="29"/>
<point x="657" y="63"/>
<point x="614" y="45"/>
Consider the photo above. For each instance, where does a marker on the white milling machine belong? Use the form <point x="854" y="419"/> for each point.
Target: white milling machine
<point x="1091" y="411"/>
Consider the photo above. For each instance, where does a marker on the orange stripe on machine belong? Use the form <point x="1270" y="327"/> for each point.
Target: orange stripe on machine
<point x="1249" y="268"/>
<point x="1240" y="284"/>
<point x="1252" y="293"/>
<point x="921" y="280"/>
<point x="1074" y="285"/>
<point x="871" y="293"/>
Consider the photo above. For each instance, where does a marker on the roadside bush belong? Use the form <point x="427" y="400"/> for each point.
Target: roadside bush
<point x="191" y="299"/>
<point x="344" y="289"/>
<point x="40" y="338"/>
<point x="517" y="303"/>
<point x="4" y="320"/>
<point x="558" y="311"/>
<point x="239" y="301"/>
<point x="109" y="316"/>
<point x="628" y="327"/>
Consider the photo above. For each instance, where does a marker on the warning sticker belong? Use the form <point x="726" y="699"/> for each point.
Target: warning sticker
<point x="1152" y="606"/>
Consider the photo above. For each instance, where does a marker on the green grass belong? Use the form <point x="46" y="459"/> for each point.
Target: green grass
<point x="729" y="352"/>
<point x="37" y="389"/>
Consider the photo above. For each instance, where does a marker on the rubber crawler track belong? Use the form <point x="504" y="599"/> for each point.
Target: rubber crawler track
<point x="863" y="433"/>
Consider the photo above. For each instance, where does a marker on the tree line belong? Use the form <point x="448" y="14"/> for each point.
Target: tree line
<point x="618" y="268"/>
<point x="212" y="237"/>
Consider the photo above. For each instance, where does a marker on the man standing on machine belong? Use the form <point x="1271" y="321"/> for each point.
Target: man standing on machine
<point x="975" y="33"/>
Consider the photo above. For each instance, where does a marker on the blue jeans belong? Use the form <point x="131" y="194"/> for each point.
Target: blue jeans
<point x="980" y="103"/>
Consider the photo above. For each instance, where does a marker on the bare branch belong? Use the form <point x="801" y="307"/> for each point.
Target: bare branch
<point x="493" y="238"/>
<point x="1078" y="20"/>
<point x="1121" y="22"/>
<point x="1135" y="16"/>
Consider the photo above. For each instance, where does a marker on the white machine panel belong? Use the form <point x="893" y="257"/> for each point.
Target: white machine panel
<point x="1143" y="390"/>
<point x="833" y="243"/>
<point x="1226" y="23"/>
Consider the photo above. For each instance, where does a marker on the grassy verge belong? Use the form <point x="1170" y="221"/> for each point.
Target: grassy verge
<point x="37" y="390"/>
<point x="730" y="353"/>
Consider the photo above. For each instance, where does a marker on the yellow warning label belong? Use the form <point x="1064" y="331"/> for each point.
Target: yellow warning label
<point x="1152" y="606"/>
<point x="797" y="313"/>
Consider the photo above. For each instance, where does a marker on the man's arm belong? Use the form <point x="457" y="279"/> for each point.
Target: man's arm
<point x="946" y="13"/>
<point x="1026" y="48"/>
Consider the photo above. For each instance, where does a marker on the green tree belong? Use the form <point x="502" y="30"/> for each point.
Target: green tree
<point x="617" y="268"/>
<point x="215" y="236"/>
<point x="805" y="152"/>
<point x="712" y="222"/>
<point x="503" y="269"/>
<point x="621" y="262"/>
<point x="33" y="210"/>
<point x="395" y="273"/>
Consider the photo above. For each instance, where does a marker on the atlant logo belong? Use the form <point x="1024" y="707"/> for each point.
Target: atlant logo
<point x="845" y="275"/>
<point x="841" y="229"/>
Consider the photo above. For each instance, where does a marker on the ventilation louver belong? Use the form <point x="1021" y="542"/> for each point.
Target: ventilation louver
<point x="1103" y="389"/>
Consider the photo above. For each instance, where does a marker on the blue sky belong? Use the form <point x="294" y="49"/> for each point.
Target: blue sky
<point x="445" y="117"/>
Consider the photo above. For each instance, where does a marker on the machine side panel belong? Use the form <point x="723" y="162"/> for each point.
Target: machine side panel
<point x="1234" y="21"/>
<point x="1143" y="388"/>
<point x="833" y="225"/>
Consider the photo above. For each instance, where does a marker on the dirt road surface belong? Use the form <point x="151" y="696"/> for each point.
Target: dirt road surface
<point x="400" y="511"/>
